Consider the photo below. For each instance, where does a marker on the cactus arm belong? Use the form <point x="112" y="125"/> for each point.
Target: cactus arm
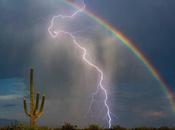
<point x="37" y="103"/>
<point x="25" y="106"/>
<point x="38" y="114"/>
<point x="42" y="104"/>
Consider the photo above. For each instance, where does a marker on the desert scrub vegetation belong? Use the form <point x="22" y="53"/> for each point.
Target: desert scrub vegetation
<point x="68" y="126"/>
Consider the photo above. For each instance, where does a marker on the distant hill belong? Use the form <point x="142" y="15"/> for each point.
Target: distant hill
<point x="7" y="122"/>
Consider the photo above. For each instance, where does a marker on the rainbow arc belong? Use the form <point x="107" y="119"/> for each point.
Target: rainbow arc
<point x="135" y="51"/>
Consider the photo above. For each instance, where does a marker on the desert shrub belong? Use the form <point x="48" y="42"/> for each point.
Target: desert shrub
<point x="68" y="126"/>
<point x="118" y="128"/>
<point x="94" y="127"/>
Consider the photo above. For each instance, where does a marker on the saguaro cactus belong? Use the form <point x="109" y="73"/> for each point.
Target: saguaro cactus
<point x="34" y="113"/>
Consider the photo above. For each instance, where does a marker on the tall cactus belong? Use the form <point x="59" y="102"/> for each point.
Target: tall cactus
<point x="34" y="113"/>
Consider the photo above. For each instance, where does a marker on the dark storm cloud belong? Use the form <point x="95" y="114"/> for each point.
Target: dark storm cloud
<point x="144" y="104"/>
<point x="67" y="82"/>
<point x="149" y="24"/>
<point x="21" y="40"/>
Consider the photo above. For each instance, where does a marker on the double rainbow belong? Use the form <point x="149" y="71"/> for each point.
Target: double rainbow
<point x="135" y="51"/>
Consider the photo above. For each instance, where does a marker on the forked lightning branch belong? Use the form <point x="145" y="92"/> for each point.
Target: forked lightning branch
<point x="55" y="33"/>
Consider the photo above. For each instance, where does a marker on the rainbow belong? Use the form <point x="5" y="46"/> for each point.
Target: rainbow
<point x="135" y="51"/>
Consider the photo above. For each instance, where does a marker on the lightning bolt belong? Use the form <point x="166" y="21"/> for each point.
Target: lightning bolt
<point x="54" y="34"/>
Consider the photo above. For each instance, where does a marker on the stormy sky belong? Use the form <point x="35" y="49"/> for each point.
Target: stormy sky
<point x="135" y="96"/>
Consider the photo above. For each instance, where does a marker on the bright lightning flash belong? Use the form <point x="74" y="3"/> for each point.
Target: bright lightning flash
<point x="54" y="34"/>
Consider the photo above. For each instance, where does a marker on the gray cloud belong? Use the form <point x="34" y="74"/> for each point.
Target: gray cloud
<point x="60" y="73"/>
